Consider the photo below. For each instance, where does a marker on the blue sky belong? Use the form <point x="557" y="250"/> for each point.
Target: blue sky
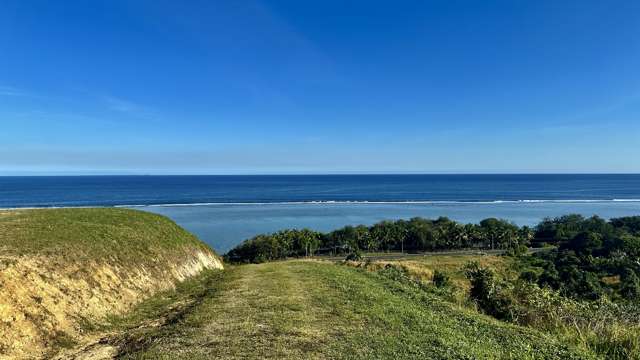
<point x="319" y="86"/>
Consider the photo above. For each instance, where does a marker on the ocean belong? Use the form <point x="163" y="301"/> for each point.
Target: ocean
<point x="224" y="210"/>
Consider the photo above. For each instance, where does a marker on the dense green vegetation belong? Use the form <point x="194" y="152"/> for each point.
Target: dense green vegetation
<point x="585" y="288"/>
<point x="414" y="235"/>
<point x="594" y="258"/>
<point x="606" y="328"/>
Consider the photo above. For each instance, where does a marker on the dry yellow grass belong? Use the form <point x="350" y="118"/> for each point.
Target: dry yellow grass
<point x="454" y="265"/>
<point x="423" y="268"/>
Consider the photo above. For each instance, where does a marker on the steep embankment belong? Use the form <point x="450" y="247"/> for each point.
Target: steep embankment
<point x="63" y="268"/>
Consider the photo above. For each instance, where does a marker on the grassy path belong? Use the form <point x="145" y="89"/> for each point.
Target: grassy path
<point x="318" y="310"/>
<point x="257" y="311"/>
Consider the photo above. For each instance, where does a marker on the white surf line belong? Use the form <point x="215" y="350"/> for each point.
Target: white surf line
<point x="337" y="202"/>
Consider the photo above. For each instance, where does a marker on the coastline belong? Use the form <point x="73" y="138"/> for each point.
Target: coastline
<point x="336" y="202"/>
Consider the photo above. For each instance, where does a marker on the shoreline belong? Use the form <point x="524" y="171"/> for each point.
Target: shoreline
<point x="336" y="202"/>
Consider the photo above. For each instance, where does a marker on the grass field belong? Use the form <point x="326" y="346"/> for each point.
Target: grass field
<point x="318" y="309"/>
<point x="91" y="233"/>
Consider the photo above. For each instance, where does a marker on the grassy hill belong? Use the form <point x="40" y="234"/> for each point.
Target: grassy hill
<point x="61" y="269"/>
<point x="116" y="283"/>
<point x="321" y="310"/>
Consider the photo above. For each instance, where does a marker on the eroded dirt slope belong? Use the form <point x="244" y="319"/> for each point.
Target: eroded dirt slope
<point x="49" y="295"/>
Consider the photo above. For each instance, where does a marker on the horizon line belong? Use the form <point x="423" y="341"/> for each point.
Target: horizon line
<point x="73" y="174"/>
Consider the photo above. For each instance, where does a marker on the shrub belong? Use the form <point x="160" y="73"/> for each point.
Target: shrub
<point x="441" y="279"/>
<point x="355" y="255"/>
<point x="491" y="297"/>
<point x="529" y="275"/>
<point x="517" y="250"/>
<point x="630" y="288"/>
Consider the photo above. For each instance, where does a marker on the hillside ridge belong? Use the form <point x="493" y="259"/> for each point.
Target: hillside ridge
<point x="64" y="269"/>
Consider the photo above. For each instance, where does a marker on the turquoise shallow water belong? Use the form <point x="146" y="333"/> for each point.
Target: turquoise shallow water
<point x="223" y="226"/>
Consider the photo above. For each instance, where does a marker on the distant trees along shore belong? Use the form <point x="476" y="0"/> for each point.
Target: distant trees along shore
<point x="419" y="234"/>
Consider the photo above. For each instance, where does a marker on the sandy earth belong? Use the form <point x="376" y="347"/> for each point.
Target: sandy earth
<point x="44" y="300"/>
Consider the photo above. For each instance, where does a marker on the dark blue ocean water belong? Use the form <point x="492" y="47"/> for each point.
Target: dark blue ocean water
<point x="153" y="190"/>
<point x="224" y="210"/>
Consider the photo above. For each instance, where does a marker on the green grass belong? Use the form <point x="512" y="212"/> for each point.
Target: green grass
<point x="288" y="309"/>
<point x="313" y="309"/>
<point x="92" y="233"/>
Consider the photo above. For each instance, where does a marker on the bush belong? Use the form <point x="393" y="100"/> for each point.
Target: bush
<point x="608" y="328"/>
<point x="630" y="288"/>
<point x="441" y="279"/>
<point x="529" y="275"/>
<point x="517" y="250"/>
<point x="355" y="255"/>
<point x="491" y="297"/>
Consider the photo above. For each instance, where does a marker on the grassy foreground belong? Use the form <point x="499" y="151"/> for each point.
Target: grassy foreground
<point x="316" y="309"/>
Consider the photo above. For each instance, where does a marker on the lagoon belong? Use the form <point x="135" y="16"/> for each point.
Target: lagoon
<point x="223" y="226"/>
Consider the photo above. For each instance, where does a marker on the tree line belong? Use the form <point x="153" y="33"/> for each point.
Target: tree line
<point x="569" y="232"/>
<point x="414" y="235"/>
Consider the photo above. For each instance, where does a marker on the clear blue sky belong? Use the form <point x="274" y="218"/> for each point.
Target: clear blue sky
<point x="319" y="86"/>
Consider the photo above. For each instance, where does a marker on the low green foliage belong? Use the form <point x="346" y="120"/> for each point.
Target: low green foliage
<point x="491" y="296"/>
<point x="609" y="329"/>
<point x="441" y="279"/>
<point x="355" y="255"/>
